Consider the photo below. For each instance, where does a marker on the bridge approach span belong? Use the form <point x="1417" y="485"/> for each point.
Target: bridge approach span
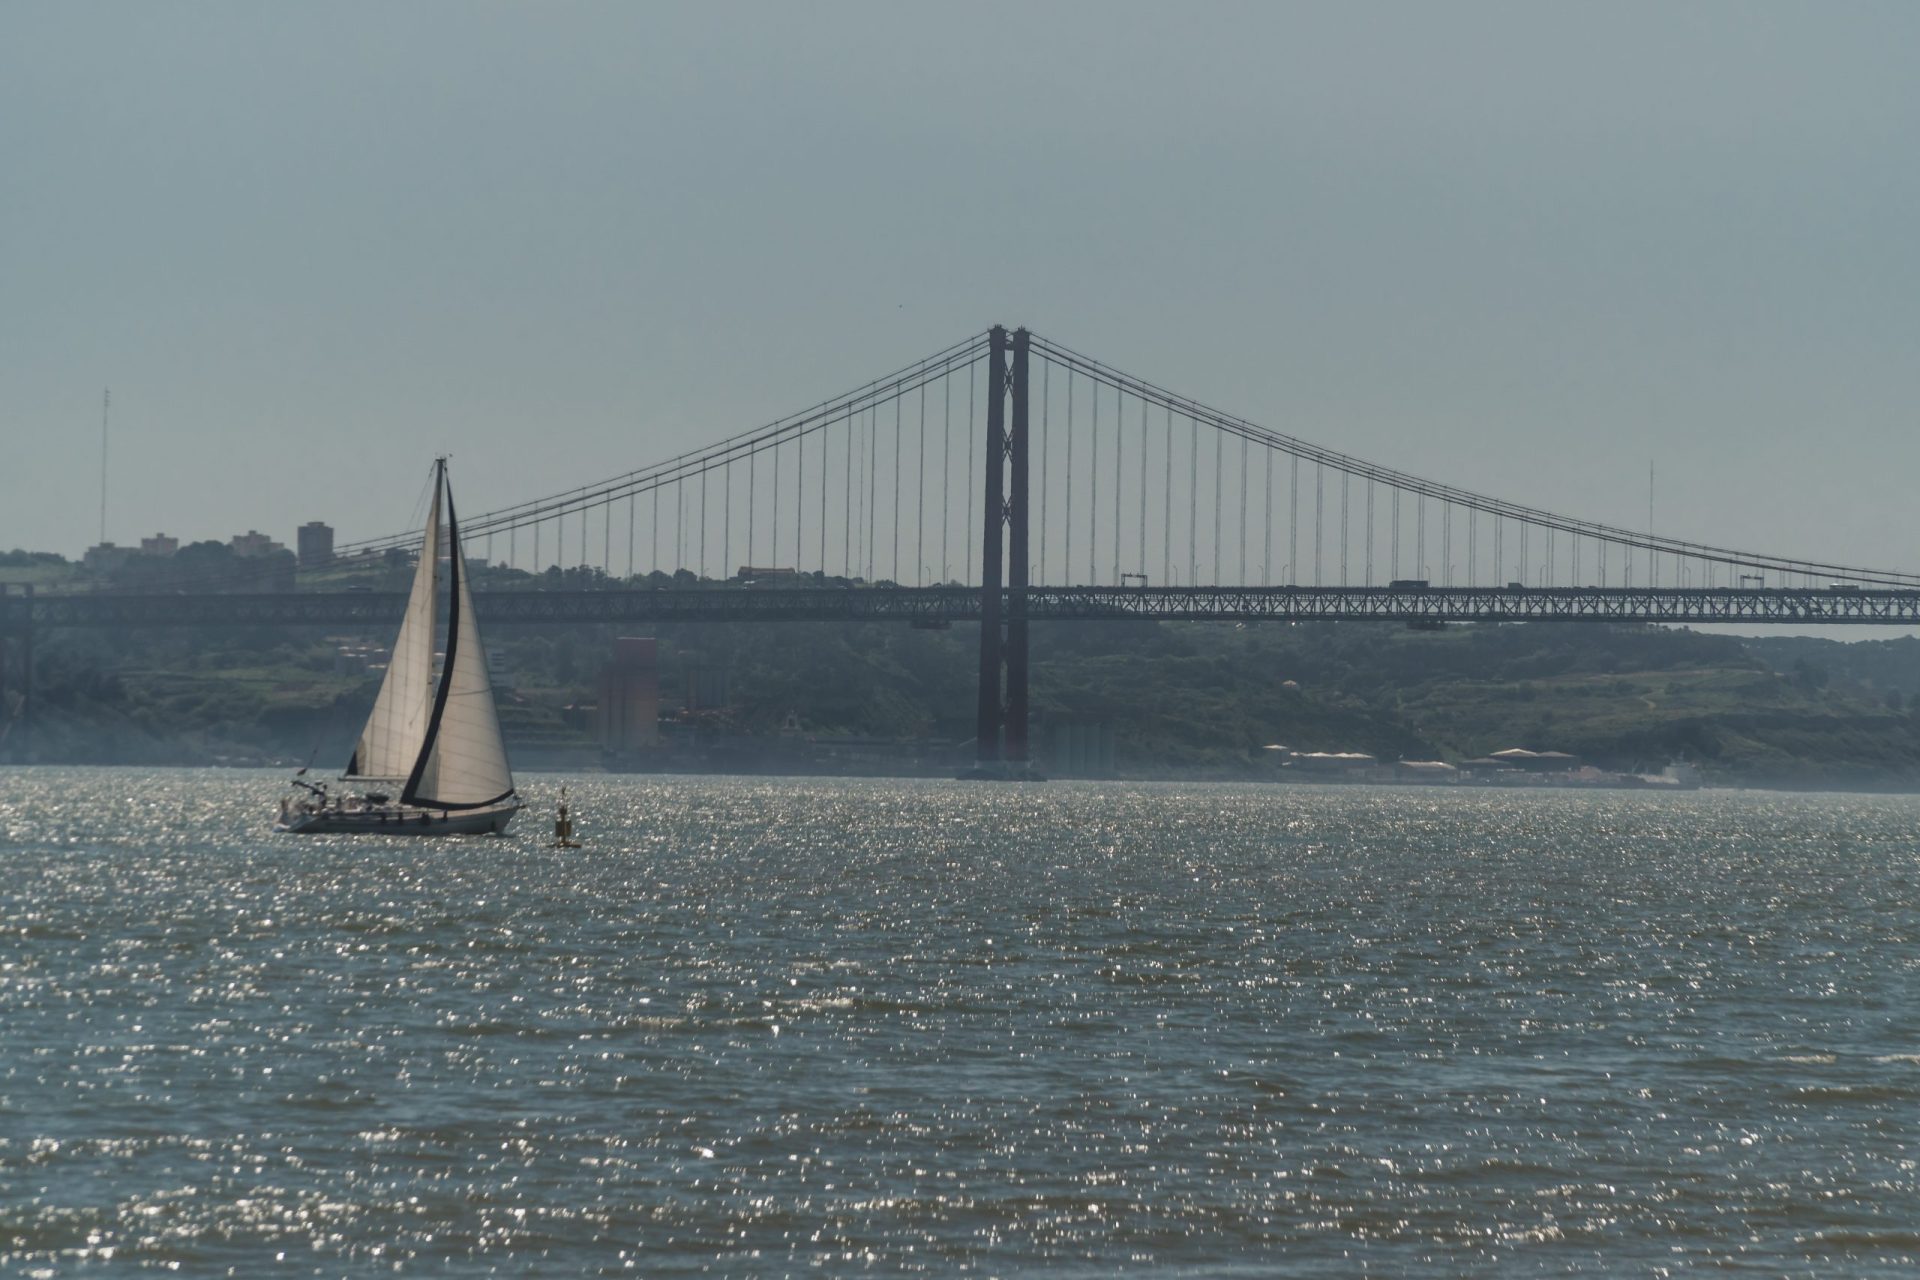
<point x="935" y="605"/>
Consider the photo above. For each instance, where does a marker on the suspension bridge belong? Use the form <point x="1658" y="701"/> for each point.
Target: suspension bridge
<point x="1009" y="480"/>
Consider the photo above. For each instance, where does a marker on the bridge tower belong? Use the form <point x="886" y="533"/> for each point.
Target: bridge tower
<point x="1001" y="721"/>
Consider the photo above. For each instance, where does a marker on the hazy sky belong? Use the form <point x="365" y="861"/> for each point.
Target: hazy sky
<point x="1518" y="247"/>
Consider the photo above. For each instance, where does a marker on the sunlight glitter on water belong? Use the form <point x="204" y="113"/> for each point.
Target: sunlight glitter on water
<point x="759" y="1027"/>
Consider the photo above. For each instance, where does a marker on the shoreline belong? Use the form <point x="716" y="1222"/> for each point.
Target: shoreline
<point x="545" y="771"/>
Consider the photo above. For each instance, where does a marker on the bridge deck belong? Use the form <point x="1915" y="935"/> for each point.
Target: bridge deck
<point x="959" y="604"/>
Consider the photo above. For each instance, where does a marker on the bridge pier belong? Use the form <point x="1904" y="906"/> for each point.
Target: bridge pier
<point x="23" y="726"/>
<point x="16" y="731"/>
<point x="1000" y="736"/>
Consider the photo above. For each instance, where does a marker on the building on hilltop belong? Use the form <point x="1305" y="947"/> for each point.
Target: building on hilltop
<point x="159" y="545"/>
<point x="314" y="540"/>
<point x="253" y="543"/>
<point x="106" y="558"/>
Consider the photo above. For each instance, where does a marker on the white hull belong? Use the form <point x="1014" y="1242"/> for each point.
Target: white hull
<point x="396" y="821"/>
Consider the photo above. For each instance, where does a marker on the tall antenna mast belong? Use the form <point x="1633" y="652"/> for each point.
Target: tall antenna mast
<point x="106" y="403"/>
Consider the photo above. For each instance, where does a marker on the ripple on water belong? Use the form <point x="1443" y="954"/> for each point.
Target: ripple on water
<point x="760" y="1026"/>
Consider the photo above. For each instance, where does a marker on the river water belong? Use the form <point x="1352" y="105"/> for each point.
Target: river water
<point x="769" y="1027"/>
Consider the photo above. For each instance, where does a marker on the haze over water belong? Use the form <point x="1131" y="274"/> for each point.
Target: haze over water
<point x="782" y="1027"/>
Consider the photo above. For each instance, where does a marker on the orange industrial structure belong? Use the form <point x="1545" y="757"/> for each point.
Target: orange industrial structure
<point x="629" y="710"/>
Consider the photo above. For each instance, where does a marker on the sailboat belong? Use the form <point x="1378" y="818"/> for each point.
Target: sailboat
<point x="430" y="760"/>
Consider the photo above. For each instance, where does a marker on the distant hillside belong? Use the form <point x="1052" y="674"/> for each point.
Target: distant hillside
<point x="1622" y="697"/>
<point x="1883" y="671"/>
<point x="1189" y="699"/>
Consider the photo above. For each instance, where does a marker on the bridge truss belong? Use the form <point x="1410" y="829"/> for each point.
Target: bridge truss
<point x="1699" y="606"/>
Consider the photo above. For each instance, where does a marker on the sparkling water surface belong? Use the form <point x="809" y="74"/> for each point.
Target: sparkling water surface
<point x="771" y="1027"/>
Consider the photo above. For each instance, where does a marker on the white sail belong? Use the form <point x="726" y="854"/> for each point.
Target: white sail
<point x="397" y="729"/>
<point x="465" y="764"/>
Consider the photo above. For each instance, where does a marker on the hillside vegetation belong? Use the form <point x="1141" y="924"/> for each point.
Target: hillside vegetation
<point x="1188" y="699"/>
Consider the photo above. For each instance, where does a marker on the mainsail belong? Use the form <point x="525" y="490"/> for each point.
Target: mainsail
<point x="434" y="740"/>
<point x="397" y="729"/>
<point x="463" y="763"/>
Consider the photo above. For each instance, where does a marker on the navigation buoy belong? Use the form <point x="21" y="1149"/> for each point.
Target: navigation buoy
<point x="563" y="826"/>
